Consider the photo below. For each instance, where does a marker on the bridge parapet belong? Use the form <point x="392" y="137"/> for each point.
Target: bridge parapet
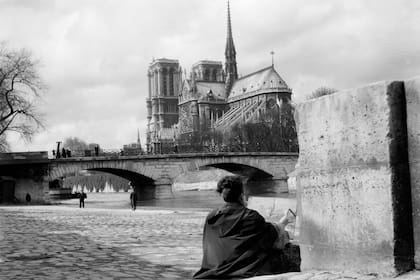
<point x="27" y="157"/>
<point x="179" y="155"/>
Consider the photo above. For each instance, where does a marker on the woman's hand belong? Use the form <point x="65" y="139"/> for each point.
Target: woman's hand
<point x="288" y="217"/>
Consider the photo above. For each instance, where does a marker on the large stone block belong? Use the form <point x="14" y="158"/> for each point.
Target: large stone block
<point x="412" y="88"/>
<point x="353" y="185"/>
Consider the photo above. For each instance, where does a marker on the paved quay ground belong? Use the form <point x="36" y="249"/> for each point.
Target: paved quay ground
<point x="55" y="242"/>
<point x="64" y="242"/>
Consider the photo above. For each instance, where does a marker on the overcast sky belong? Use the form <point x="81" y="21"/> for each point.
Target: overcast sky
<point x="95" y="53"/>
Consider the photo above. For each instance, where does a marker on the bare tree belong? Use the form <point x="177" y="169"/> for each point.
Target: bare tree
<point x="75" y="144"/>
<point x="20" y="87"/>
<point x="4" y="146"/>
<point x="321" y="92"/>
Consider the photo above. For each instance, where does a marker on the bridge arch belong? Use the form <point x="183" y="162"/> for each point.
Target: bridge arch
<point x="256" y="181"/>
<point x="126" y="174"/>
<point x="143" y="185"/>
<point x="250" y="172"/>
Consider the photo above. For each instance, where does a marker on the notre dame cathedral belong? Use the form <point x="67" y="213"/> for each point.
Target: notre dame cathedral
<point x="215" y="110"/>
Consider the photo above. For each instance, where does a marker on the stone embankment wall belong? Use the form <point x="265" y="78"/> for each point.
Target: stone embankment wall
<point x="38" y="190"/>
<point x="412" y="89"/>
<point x="353" y="184"/>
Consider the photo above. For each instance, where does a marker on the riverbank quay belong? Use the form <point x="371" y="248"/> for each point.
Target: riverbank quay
<point x="334" y="275"/>
<point x="62" y="242"/>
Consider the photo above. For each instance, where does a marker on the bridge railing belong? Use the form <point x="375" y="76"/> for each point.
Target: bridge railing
<point x="6" y="158"/>
<point x="89" y="153"/>
<point x="239" y="147"/>
<point x="24" y="156"/>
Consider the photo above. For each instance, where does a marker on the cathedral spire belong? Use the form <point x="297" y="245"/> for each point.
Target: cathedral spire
<point x="230" y="55"/>
<point x="229" y="27"/>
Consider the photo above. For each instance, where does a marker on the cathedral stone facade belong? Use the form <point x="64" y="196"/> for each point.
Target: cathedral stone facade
<point x="164" y="78"/>
<point x="199" y="112"/>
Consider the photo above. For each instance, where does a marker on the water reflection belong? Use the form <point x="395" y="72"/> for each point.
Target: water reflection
<point x="207" y="199"/>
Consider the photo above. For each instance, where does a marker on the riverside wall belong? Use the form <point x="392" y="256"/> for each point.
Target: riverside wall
<point x="353" y="184"/>
<point x="412" y="89"/>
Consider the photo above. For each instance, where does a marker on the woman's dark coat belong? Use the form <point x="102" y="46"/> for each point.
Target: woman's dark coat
<point x="237" y="242"/>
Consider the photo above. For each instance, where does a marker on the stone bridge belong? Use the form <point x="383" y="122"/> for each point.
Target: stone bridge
<point x="152" y="176"/>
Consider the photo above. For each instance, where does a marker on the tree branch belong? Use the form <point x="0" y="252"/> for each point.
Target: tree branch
<point x="19" y="84"/>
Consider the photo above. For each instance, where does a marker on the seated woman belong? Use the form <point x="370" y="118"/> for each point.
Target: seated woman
<point x="239" y="243"/>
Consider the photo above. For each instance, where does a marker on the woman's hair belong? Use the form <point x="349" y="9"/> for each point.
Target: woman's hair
<point x="231" y="188"/>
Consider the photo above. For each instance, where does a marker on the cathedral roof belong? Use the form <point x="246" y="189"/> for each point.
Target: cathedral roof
<point x="203" y="91"/>
<point x="262" y="81"/>
<point x="163" y="62"/>
<point x="210" y="91"/>
<point x="208" y="62"/>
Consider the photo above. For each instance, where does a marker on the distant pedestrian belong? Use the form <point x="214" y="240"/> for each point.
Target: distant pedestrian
<point x="28" y="198"/>
<point x="63" y="153"/>
<point x="68" y="153"/>
<point x="133" y="200"/>
<point x="96" y="150"/>
<point x="82" y="198"/>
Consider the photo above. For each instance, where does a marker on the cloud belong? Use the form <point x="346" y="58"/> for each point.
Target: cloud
<point x="95" y="53"/>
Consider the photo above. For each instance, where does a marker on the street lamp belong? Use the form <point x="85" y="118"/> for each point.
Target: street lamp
<point x="58" y="149"/>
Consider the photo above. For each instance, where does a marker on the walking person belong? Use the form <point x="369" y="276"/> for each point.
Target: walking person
<point x="82" y="198"/>
<point x="133" y="200"/>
